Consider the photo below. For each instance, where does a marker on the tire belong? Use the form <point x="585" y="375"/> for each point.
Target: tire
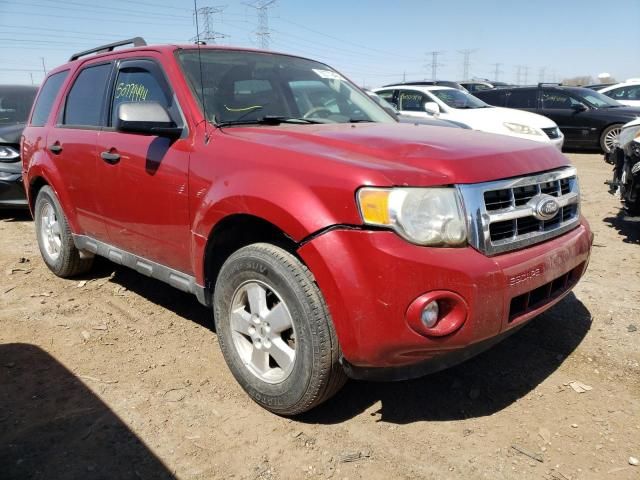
<point x="606" y="136"/>
<point x="54" y="237"/>
<point x="275" y="330"/>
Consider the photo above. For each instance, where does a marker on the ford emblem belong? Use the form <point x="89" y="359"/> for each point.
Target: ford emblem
<point x="545" y="207"/>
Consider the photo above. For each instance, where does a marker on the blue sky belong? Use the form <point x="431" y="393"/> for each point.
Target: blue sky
<point x="373" y="42"/>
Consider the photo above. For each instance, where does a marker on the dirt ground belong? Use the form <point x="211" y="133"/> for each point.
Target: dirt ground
<point x="117" y="376"/>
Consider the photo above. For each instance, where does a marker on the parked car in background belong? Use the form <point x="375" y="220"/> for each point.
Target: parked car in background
<point x="479" y="85"/>
<point x="15" y="105"/>
<point x="597" y="86"/>
<point x="439" y="83"/>
<point x="627" y="93"/>
<point x="587" y="118"/>
<point x="436" y="122"/>
<point x="458" y="106"/>
<point x="327" y="239"/>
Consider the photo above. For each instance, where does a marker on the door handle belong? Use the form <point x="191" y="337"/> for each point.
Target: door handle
<point x="110" y="157"/>
<point x="56" y="148"/>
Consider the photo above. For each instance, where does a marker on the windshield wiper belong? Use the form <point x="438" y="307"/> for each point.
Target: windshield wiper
<point x="267" y="120"/>
<point x="360" y="120"/>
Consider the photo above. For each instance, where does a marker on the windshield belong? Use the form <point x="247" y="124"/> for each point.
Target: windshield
<point x="15" y="105"/>
<point x="249" y="87"/>
<point x="599" y="100"/>
<point x="458" y="99"/>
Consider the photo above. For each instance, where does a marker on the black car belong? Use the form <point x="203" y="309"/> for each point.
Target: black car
<point x="587" y="118"/>
<point x="480" y="85"/>
<point x="15" y="105"/>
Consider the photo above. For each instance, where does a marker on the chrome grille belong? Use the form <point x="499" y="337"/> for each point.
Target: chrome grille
<point x="502" y="215"/>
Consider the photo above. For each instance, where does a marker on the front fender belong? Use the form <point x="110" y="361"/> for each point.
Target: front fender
<point x="297" y="209"/>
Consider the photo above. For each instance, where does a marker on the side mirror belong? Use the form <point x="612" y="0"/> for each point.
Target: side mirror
<point x="579" y="107"/>
<point x="432" y="108"/>
<point x="148" y="118"/>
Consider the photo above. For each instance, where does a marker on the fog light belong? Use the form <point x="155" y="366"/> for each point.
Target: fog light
<point x="429" y="316"/>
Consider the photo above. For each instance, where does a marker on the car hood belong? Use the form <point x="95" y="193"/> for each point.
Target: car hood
<point x="480" y="118"/>
<point x="400" y="154"/>
<point x="10" y="134"/>
<point x="624" y="113"/>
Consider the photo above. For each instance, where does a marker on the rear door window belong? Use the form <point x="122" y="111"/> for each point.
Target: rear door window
<point x="85" y="101"/>
<point x="523" y="99"/>
<point x="47" y="96"/>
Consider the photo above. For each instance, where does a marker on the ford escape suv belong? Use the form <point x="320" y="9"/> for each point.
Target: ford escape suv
<point x="329" y="240"/>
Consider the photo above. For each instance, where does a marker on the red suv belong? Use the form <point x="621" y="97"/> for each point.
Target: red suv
<point x="330" y="240"/>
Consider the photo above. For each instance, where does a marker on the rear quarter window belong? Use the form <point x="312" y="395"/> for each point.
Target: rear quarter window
<point x="522" y="99"/>
<point x="47" y="96"/>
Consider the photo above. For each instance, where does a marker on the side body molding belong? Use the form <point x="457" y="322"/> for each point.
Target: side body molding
<point x="181" y="281"/>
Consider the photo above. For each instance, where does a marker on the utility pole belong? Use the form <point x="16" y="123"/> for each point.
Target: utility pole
<point x="465" y="64"/>
<point x="541" y="75"/>
<point x="518" y="74"/>
<point x="31" y="75"/>
<point x="496" y="71"/>
<point x="435" y="64"/>
<point x="44" y="68"/>
<point x="526" y="73"/>
<point x="205" y="15"/>
<point x="262" y="33"/>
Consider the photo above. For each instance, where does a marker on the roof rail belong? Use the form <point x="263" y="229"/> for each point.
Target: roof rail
<point x="136" y="42"/>
<point x="550" y="84"/>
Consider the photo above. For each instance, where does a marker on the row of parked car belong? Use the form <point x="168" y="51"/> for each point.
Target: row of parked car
<point x="571" y="117"/>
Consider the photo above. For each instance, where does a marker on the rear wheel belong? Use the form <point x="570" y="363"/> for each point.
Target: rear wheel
<point x="54" y="237"/>
<point x="275" y="330"/>
<point x="609" y="137"/>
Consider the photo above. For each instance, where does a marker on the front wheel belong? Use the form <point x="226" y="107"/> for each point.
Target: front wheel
<point x="609" y="136"/>
<point x="275" y="331"/>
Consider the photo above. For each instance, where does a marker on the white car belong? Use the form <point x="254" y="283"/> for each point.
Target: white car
<point x="627" y="93"/>
<point x="454" y="105"/>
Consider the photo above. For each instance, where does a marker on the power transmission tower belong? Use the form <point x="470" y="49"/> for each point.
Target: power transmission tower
<point x="526" y="73"/>
<point x="435" y="64"/>
<point x="496" y="71"/>
<point x="205" y="17"/>
<point x="541" y="75"/>
<point x="465" y="64"/>
<point x="262" y="33"/>
<point x="518" y="74"/>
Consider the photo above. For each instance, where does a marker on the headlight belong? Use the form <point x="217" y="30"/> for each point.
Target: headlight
<point x="424" y="216"/>
<point x="8" y="154"/>
<point x="522" y="129"/>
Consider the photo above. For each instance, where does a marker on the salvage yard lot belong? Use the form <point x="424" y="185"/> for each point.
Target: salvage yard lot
<point x="114" y="375"/>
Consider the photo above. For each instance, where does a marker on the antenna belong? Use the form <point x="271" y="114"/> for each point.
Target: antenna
<point x="262" y="33"/>
<point x="208" y="32"/>
<point x="199" y="43"/>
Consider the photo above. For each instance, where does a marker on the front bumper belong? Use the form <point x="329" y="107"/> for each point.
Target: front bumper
<point x="369" y="279"/>
<point x="12" y="190"/>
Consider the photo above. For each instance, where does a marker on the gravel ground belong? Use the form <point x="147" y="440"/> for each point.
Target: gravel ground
<point x="117" y="376"/>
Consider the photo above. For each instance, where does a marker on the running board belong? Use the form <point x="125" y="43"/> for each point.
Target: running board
<point x="175" y="278"/>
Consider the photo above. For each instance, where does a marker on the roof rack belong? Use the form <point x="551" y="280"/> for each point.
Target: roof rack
<point x="549" y="84"/>
<point x="136" y="42"/>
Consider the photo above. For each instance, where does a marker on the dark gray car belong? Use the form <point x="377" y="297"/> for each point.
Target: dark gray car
<point x="15" y="105"/>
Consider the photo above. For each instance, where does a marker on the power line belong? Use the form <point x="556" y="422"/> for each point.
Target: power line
<point x="208" y="33"/>
<point x="465" y="64"/>
<point x="262" y="33"/>
<point x="435" y="64"/>
<point x="496" y="71"/>
<point x="541" y="75"/>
